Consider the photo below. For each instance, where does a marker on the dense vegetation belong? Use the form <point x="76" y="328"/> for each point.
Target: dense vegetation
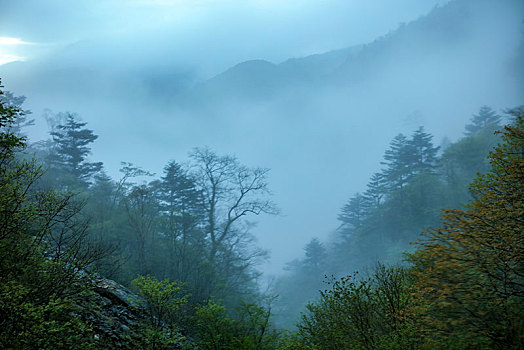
<point x="417" y="180"/>
<point x="463" y="288"/>
<point x="182" y="243"/>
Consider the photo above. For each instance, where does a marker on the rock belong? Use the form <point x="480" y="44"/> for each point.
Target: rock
<point x="113" y="312"/>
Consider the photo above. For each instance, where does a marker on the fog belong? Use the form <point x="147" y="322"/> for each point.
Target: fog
<point x="156" y="78"/>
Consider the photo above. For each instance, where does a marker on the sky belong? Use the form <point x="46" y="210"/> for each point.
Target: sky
<point x="88" y="56"/>
<point x="208" y="35"/>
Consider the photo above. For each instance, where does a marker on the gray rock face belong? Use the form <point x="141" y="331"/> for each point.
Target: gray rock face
<point x="116" y="314"/>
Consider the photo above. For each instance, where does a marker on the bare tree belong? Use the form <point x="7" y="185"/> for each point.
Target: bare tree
<point x="230" y="192"/>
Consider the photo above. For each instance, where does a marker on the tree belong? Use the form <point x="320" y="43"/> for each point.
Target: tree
<point x="15" y="102"/>
<point x="231" y="192"/>
<point x="180" y="199"/>
<point x="397" y="160"/>
<point x="315" y="255"/>
<point x="471" y="269"/>
<point x="141" y="209"/>
<point x="216" y="330"/>
<point x="423" y="153"/>
<point x="486" y="118"/>
<point x="181" y="206"/>
<point x="462" y="161"/>
<point x="43" y="254"/>
<point x="162" y="301"/>
<point x="72" y="140"/>
<point x="374" y="194"/>
<point x="353" y="213"/>
<point x="369" y="313"/>
<point x="181" y="222"/>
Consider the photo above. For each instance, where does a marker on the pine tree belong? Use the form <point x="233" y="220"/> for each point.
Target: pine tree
<point x="374" y="194"/>
<point x="423" y="153"/>
<point x="315" y="255"/>
<point x="181" y="213"/>
<point x="353" y="213"/>
<point x="486" y="117"/>
<point x="11" y="101"/>
<point x="397" y="160"/>
<point x="178" y="193"/>
<point x="72" y="140"/>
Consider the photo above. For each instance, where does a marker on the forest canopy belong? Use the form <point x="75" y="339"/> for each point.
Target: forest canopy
<point x="179" y="246"/>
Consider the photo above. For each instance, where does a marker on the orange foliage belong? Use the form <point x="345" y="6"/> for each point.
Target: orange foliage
<point x="470" y="271"/>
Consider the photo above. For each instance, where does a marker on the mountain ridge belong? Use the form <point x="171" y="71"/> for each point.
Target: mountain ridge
<point x="441" y="35"/>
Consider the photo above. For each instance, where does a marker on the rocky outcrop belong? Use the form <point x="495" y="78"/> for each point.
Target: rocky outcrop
<point x="114" y="314"/>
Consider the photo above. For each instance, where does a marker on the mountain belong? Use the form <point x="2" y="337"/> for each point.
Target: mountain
<point x="454" y="43"/>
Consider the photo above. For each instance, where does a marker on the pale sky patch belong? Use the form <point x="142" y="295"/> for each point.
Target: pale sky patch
<point x="7" y="58"/>
<point x="4" y="40"/>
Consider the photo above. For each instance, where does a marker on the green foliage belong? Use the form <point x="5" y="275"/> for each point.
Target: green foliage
<point x="41" y="255"/>
<point x="215" y="330"/>
<point x="255" y="329"/>
<point x="9" y="141"/>
<point x="30" y="324"/>
<point x="249" y="330"/>
<point x="400" y="201"/>
<point x="371" y="313"/>
<point x="189" y="225"/>
<point x="162" y="301"/>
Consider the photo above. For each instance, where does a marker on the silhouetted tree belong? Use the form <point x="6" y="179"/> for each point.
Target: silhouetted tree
<point x="374" y="194"/>
<point x="315" y="255"/>
<point x="486" y="117"/>
<point x="72" y="140"/>
<point x="423" y="153"/>
<point x="397" y="160"/>
<point x="11" y="101"/>
<point x="353" y="213"/>
<point x="181" y="218"/>
<point x="231" y="192"/>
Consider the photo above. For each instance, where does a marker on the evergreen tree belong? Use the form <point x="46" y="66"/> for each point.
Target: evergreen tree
<point x="71" y="140"/>
<point x="423" y="153"/>
<point x="353" y="213"/>
<point x="181" y="220"/>
<point x="180" y="200"/>
<point x="397" y="160"/>
<point x="315" y="256"/>
<point x="11" y="101"/>
<point x="44" y="255"/>
<point x="486" y="118"/>
<point x="374" y="194"/>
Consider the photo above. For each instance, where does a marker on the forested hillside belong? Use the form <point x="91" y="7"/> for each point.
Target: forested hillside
<point x="181" y="242"/>
<point x="418" y="179"/>
<point x="462" y="288"/>
<point x="248" y="174"/>
<point x="313" y="114"/>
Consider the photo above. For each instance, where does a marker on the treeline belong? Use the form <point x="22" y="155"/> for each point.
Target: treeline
<point x="463" y="288"/>
<point x="181" y="241"/>
<point x="417" y="180"/>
